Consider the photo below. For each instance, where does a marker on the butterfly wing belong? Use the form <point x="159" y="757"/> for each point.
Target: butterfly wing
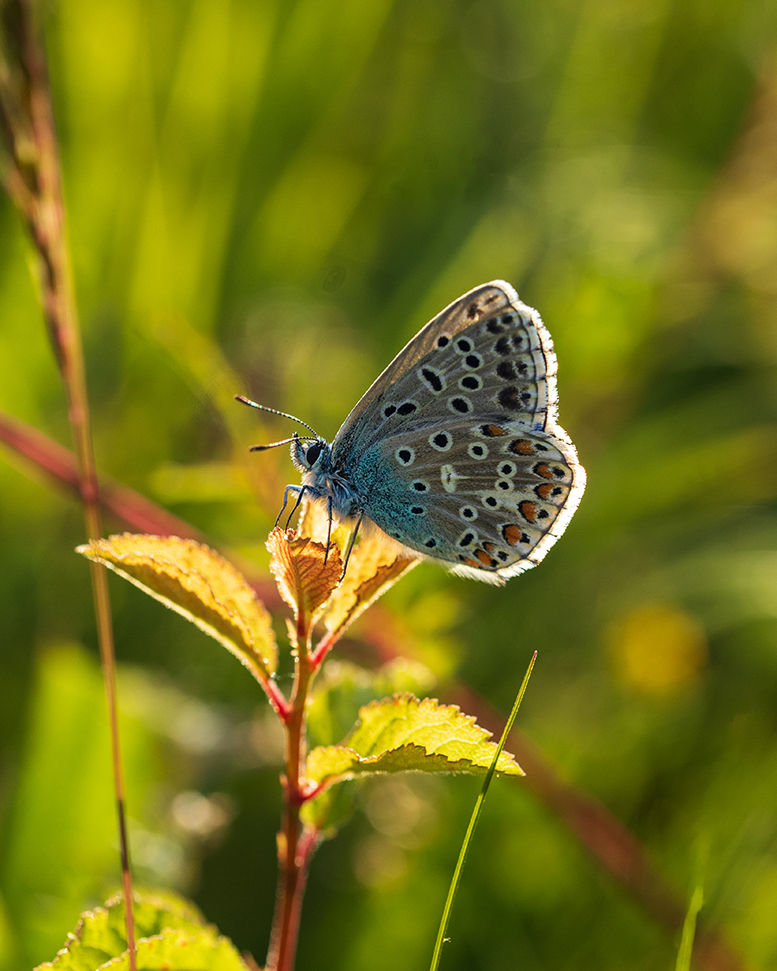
<point x="478" y="316"/>
<point x="473" y="392"/>
<point x="488" y="499"/>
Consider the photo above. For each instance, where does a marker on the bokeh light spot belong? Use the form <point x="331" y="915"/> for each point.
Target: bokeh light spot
<point x="657" y="649"/>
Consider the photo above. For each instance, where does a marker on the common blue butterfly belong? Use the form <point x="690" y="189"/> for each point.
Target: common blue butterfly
<point x="455" y="452"/>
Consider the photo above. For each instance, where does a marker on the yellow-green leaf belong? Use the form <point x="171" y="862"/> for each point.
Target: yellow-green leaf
<point x="331" y="762"/>
<point x="305" y="573"/>
<point x="375" y="565"/>
<point x="200" y="585"/>
<point x="314" y="524"/>
<point x="177" y="950"/>
<point x="170" y="934"/>
<point x="405" y="734"/>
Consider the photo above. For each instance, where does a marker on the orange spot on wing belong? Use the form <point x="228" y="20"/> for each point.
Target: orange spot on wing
<point x="512" y="534"/>
<point x="528" y="510"/>
<point x="521" y="447"/>
<point x="543" y="469"/>
<point x="544" y="491"/>
<point x="485" y="559"/>
<point x="493" y="430"/>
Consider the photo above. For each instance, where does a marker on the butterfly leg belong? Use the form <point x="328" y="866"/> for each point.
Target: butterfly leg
<point x="283" y="507"/>
<point x="300" y="491"/>
<point x="296" y="490"/>
<point x="329" y="527"/>
<point x="354" y="534"/>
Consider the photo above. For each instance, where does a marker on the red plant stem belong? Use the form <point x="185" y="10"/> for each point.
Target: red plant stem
<point x="135" y="509"/>
<point x="280" y="704"/>
<point x="323" y="647"/>
<point x="294" y="850"/>
<point x="34" y="184"/>
<point x="61" y="468"/>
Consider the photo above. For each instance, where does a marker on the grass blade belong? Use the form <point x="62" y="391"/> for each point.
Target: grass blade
<point x="446" y="913"/>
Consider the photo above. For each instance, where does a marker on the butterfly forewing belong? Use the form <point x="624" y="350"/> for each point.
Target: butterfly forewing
<point x="486" y="352"/>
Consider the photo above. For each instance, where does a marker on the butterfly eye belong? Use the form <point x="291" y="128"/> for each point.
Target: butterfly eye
<point x="313" y="453"/>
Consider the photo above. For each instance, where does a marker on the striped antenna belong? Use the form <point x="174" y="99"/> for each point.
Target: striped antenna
<point x="273" y="411"/>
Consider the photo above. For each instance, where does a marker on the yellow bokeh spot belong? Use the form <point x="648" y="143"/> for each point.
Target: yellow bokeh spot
<point x="657" y="649"/>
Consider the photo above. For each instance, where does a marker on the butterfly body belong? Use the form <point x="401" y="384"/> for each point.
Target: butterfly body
<point x="455" y="451"/>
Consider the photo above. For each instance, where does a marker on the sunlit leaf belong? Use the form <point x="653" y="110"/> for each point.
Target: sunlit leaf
<point x="200" y="585"/>
<point x="306" y="575"/>
<point x="374" y="567"/>
<point x="375" y="564"/>
<point x="342" y="688"/>
<point x="314" y="524"/>
<point x="170" y="934"/>
<point x="405" y="734"/>
<point x="329" y="762"/>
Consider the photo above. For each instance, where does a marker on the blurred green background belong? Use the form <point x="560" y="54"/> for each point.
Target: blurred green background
<point x="271" y="197"/>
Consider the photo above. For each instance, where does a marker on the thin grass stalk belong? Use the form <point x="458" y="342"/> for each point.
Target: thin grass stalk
<point x="685" y="951"/>
<point x="34" y="183"/>
<point x="456" y="879"/>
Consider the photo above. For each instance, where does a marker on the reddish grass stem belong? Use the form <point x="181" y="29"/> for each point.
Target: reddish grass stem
<point x="33" y="180"/>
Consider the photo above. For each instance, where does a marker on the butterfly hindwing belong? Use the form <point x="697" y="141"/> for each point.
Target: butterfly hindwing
<point x="487" y="497"/>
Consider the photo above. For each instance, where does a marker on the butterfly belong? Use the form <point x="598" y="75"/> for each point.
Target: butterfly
<point x="455" y="451"/>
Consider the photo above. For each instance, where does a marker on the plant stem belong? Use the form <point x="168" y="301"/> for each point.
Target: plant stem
<point x="35" y="185"/>
<point x="294" y="851"/>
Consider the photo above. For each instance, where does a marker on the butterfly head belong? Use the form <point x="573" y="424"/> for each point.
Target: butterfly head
<point x="310" y="456"/>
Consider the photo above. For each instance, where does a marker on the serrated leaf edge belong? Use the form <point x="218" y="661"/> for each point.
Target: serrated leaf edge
<point x="185" y="937"/>
<point x="262" y="670"/>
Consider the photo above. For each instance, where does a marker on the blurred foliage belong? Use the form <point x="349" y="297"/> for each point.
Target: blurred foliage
<point x="171" y="934"/>
<point x="270" y="198"/>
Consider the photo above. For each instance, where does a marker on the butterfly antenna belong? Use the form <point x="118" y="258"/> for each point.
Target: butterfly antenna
<point x="273" y="411"/>
<point x="283" y="441"/>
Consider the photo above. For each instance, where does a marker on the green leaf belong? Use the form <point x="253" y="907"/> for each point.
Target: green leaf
<point x="200" y="585"/>
<point x="170" y="933"/>
<point x="153" y="913"/>
<point x="405" y="734"/>
<point x="329" y="810"/>
<point x="343" y="688"/>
